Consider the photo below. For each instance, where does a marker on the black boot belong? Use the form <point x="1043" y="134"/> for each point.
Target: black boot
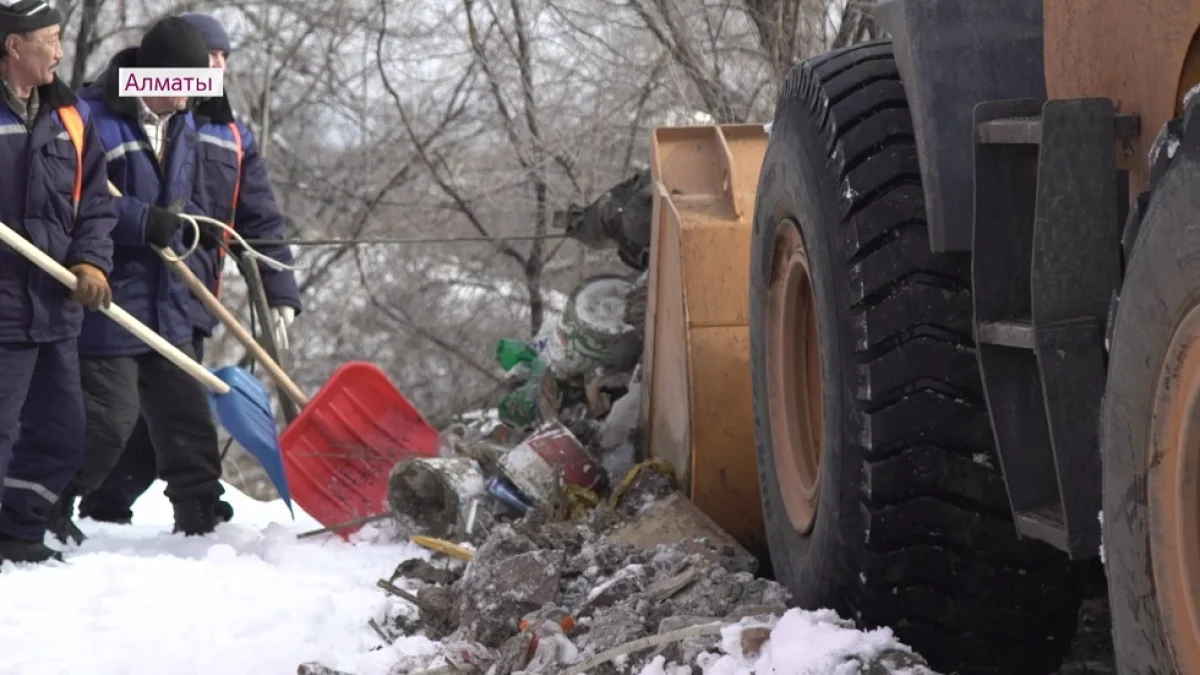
<point x="104" y="513"/>
<point x="199" y="516"/>
<point x="59" y="520"/>
<point x="105" y="509"/>
<point x="224" y="511"/>
<point x="21" y="551"/>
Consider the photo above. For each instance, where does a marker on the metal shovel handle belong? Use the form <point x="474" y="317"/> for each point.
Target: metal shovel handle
<point x="258" y="296"/>
<point x="49" y="265"/>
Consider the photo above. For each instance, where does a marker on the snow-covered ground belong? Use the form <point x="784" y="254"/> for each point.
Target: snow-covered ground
<point x="249" y="600"/>
<point x="253" y="600"/>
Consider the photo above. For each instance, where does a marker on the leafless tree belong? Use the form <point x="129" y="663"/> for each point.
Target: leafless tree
<point x="467" y="120"/>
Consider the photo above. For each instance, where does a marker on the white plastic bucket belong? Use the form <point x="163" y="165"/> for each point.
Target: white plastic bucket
<point x="430" y="495"/>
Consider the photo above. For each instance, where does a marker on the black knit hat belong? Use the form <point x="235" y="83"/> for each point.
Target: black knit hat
<point x="172" y="43"/>
<point x="24" y="16"/>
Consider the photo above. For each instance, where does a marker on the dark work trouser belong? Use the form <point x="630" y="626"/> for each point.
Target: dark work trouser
<point x="41" y="432"/>
<point x="178" y="422"/>
<point x="135" y="471"/>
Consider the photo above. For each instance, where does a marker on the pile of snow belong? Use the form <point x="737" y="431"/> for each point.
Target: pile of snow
<point x="801" y="643"/>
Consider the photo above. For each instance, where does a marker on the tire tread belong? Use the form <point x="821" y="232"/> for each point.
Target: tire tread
<point x="943" y="566"/>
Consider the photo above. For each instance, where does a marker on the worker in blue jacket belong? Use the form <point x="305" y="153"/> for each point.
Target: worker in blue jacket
<point x="55" y="196"/>
<point x="151" y="151"/>
<point x="234" y="188"/>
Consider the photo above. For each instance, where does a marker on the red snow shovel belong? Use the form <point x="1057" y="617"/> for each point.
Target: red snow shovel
<point x="339" y="451"/>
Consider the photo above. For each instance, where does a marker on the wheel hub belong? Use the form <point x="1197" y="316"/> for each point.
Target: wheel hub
<point x="1173" y="489"/>
<point x="794" y="377"/>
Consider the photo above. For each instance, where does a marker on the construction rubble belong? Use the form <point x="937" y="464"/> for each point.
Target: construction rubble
<point x="610" y="592"/>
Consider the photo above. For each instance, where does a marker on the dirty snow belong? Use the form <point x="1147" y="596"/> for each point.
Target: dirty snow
<point x="252" y="599"/>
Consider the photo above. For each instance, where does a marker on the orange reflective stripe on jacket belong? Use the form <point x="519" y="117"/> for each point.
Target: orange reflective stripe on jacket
<point x="73" y="123"/>
<point x="237" y="187"/>
<point x="237" y="184"/>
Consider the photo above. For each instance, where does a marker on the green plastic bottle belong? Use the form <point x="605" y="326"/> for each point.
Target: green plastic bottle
<point x="518" y="408"/>
<point x="511" y="352"/>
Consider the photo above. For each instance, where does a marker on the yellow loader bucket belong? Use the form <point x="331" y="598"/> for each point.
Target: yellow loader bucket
<point x="697" y="401"/>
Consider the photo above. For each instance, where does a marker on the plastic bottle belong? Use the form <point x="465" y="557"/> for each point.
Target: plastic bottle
<point x="511" y="352"/>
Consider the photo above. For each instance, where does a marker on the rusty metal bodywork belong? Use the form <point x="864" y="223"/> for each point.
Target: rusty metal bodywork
<point x="1139" y="53"/>
<point x="697" y="396"/>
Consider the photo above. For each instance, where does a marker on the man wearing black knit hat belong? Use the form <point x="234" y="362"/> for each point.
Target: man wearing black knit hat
<point x="151" y="150"/>
<point x="53" y="193"/>
<point x="235" y="188"/>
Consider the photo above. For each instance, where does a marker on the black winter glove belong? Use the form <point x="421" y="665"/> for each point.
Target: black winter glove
<point x="210" y="235"/>
<point x="161" y="226"/>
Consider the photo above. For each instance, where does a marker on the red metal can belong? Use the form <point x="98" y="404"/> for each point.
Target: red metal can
<point x="534" y="465"/>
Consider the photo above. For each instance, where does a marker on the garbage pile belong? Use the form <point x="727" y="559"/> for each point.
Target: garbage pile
<point x="567" y="419"/>
<point x="643" y="580"/>
<point x="560" y="548"/>
<point x="564" y="425"/>
<point x="583" y="370"/>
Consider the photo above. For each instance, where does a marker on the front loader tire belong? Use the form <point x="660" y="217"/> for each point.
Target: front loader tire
<point x="1149" y="437"/>
<point x="907" y="517"/>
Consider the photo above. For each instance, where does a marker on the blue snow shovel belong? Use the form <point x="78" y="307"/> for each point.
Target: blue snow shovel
<point x="242" y="404"/>
<point x="255" y="431"/>
<point x="244" y="410"/>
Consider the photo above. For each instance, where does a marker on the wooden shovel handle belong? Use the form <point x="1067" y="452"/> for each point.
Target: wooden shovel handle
<point x="212" y="304"/>
<point x="127" y="321"/>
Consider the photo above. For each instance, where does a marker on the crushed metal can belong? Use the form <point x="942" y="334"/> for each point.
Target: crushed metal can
<point x="535" y="465"/>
